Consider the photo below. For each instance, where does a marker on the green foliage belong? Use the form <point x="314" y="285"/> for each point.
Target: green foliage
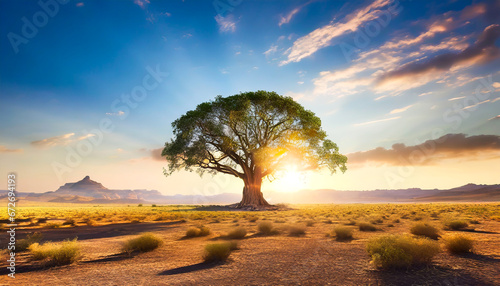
<point x="63" y="253"/>
<point x="401" y="251"/>
<point x="237" y="233"/>
<point x="144" y="243"/>
<point x="424" y="229"/>
<point x="218" y="251"/>
<point x="458" y="243"/>
<point x="248" y="130"/>
<point x="343" y="233"/>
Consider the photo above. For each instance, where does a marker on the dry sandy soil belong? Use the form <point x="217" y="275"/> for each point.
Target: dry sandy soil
<point x="313" y="259"/>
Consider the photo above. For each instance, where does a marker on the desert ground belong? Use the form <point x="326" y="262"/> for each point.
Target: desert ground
<point x="302" y="249"/>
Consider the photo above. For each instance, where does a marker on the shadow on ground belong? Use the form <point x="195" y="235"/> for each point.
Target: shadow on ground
<point x="190" y="268"/>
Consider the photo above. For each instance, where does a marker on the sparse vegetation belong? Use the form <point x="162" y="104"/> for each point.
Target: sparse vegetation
<point x="458" y="243"/>
<point x="296" y="230"/>
<point x="343" y="233"/>
<point x="63" y="253"/>
<point x="217" y="252"/>
<point x="365" y="226"/>
<point x="237" y="233"/>
<point x="197" y="231"/>
<point x="144" y="243"/>
<point x="266" y="227"/>
<point x="23" y="244"/>
<point x="424" y="229"/>
<point x="456" y="224"/>
<point x="401" y="251"/>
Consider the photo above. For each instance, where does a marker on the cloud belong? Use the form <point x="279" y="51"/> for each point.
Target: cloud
<point x="80" y="4"/>
<point x="377" y="121"/>
<point x="496" y="117"/>
<point x="449" y="146"/>
<point x="287" y="18"/>
<point x="322" y="37"/>
<point x="482" y="51"/>
<point x="271" y="50"/>
<point x="142" y="3"/>
<point x="226" y="24"/>
<point x="4" y="149"/>
<point x="119" y="113"/>
<point x="60" y="140"/>
<point x="156" y="154"/>
<point x="403" y="109"/>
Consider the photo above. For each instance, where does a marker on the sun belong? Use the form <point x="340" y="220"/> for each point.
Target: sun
<point x="290" y="180"/>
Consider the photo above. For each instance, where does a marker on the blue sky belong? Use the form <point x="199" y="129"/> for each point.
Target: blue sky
<point x="378" y="73"/>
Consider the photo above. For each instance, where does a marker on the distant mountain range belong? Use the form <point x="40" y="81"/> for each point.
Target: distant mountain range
<point x="89" y="191"/>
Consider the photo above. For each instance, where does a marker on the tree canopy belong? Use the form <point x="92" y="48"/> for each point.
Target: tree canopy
<point x="251" y="136"/>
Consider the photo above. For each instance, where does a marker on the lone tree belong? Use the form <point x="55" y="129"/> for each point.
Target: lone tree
<point x="251" y="136"/>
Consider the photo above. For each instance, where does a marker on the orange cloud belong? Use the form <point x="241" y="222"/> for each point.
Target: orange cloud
<point x="4" y="149"/>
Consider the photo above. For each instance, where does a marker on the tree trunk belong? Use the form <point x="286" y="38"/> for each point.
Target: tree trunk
<point x="252" y="196"/>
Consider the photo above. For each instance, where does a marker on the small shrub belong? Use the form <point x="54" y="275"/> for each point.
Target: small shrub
<point x="364" y="226"/>
<point x="343" y="233"/>
<point x="424" y="229"/>
<point x="458" y="244"/>
<point x="310" y="223"/>
<point x="296" y="230"/>
<point x="266" y="227"/>
<point x="401" y="251"/>
<point x="53" y="225"/>
<point x="218" y="251"/>
<point x="474" y="221"/>
<point x="237" y="233"/>
<point x="63" y="253"/>
<point x="69" y="221"/>
<point x="197" y="231"/>
<point x="144" y="243"/>
<point x="457" y="224"/>
<point x="153" y="206"/>
<point x="253" y="219"/>
<point x="23" y="244"/>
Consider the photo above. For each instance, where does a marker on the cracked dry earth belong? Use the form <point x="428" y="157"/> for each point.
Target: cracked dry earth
<point x="312" y="259"/>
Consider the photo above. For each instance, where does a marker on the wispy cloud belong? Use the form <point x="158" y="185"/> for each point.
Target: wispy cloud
<point x="4" y="149"/>
<point x="483" y="51"/>
<point x="446" y="147"/>
<point x="496" y="117"/>
<point x="456" y="98"/>
<point x="288" y="17"/>
<point x="119" y="113"/>
<point x="226" y="24"/>
<point x="142" y="3"/>
<point x="474" y="105"/>
<point x="403" y="109"/>
<point x="322" y="37"/>
<point x="60" y="140"/>
<point x="376" y="121"/>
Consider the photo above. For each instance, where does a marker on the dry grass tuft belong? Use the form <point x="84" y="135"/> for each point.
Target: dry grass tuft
<point x="144" y="243"/>
<point x="401" y="251"/>
<point x="424" y="229"/>
<point x="458" y="243"/>
<point x="63" y="253"/>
